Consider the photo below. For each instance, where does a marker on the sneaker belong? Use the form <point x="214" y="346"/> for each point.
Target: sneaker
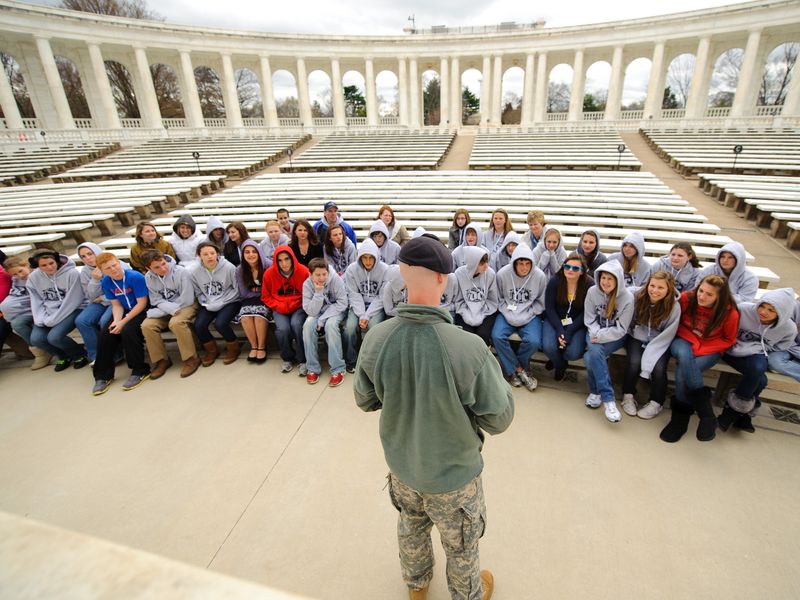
<point x="80" y="362"/>
<point x="134" y="381"/>
<point x="650" y="410"/>
<point x="593" y="401"/>
<point x="312" y="377"/>
<point x="351" y="370"/>
<point x="514" y="381"/>
<point x="302" y="369"/>
<point x="100" y="386"/>
<point x="529" y="381"/>
<point x="612" y="412"/>
<point x="286" y="366"/>
<point x="629" y="405"/>
<point x="336" y="379"/>
<point x="61" y="364"/>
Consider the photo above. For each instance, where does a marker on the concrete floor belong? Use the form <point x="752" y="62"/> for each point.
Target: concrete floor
<point x="274" y="481"/>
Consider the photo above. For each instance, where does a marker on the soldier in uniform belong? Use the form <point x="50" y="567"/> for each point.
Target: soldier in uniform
<point x="438" y="388"/>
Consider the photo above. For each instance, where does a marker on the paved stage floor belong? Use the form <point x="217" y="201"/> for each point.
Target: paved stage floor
<point x="256" y="474"/>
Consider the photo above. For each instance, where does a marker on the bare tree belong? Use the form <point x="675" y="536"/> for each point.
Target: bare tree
<point x="288" y="108"/>
<point x="209" y="92"/>
<point x="558" y="96"/>
<point x="248" y="90"/>
<point x="12" y="72"/>
<point x="778" y="73"/>
<point x="679" y="77"/>
<point x="73" y="88"/>
<point x="168" y="91"/>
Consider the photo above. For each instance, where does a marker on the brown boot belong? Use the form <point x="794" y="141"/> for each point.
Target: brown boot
<point x="18" y="345"/>
<point x="160" y="368"/>
<point x="487" y="579"/>
<point x="190" y="366"/>
<point x="41" y="359"/>
<point x="420" y="594"/>
<point x="231" y="352"/>
<point x="211" y="353"/>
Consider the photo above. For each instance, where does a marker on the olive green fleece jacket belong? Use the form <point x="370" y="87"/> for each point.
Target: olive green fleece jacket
<point x="438" y="388"/>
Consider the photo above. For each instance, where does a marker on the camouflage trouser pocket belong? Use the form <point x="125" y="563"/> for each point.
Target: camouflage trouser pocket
<point x="473" y="525"/>
<point x="391" y="493"/>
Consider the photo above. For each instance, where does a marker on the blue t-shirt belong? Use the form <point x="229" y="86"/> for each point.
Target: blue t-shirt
<point x="126" y="290"/>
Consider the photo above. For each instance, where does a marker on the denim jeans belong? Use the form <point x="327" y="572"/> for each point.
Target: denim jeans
<point x="689" y="371"/>
<point x="596" y="359"/>
<point x="784" y="363"/>
<point x="560" y="356"/>
<point x="351" y="333"/>
<point x="333" y="339"/>
<point x="221" y="319"/>
<point x="754" y="374"/>
<point x="531" y="336"/>
<point x="633" y="366"/>
<point x="288" y="328"/>
<point x="56" y="341"/>
<point x="94" y="318"/>
<point x="23" y="326"/>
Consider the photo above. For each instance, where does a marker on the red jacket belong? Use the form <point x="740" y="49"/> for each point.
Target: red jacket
<point x="284" y="295"/>
<point x="691" y="329"/>
<point x="5" y="284"/>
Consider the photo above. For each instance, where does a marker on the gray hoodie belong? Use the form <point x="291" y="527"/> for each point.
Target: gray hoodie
<point x="394" y="291"/>
<point x="331" y="301"/>
<point x="54" y="298"/>
<point x="92" y="288"/>
<point x="364" y="288"/>
<point x="795" y="349"/>
<point x="599" y="257"/>
<point x="212" y="224"/>
<point x="742" y="282"/>
<point x="18" y="301"/>
<point x="458" y="253"/>
<point x="502" y="258"/>
<point x="521" y="298"/>
<point x="594" y="312"/>
<point x="549" y="261"/>
<point x="268" y="248"/>
<point x="340" y="260"/>
<point x="756" y="338"/>
<point x="214" y="289"/>
<point x="685" y="278"/>
<point x="639" y="278"/>
<point x="476" y="296"/>
<point x="390" y="251"/>
<point x="448" y="301"/>
<point x="492" y="240"/>
<point x="170" y="293"/>
<point x="655" y="336"/>
<point x="185" y="249"/>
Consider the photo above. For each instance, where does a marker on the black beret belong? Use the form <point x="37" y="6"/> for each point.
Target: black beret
<point x="427" y="251"/>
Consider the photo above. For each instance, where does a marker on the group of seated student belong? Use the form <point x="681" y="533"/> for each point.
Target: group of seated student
<point x="570" y="305"/>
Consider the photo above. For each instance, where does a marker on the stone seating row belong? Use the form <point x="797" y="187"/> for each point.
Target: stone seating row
<point x="20" y="164"/>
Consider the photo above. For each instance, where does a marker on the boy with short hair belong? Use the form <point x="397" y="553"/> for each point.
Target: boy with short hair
<point x="476" y="296"/>
<point x="395" y="291"/>
<point x="275" y="237"/>
<point x="503" y="256"/>
<point x="127" y="291"/>
<point x="16" y="308"/>
<point x="536" y="224"/>
<point x="472" y="238"/>
<point x="325" y="303"/>
<point x="284" y="221"/>
<point x="173" y="306"/>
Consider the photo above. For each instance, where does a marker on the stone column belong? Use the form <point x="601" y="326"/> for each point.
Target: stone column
<point x="148" y="107"/>
<point x="615" y="86"/>
<point x="497" y="90"/>
<point x="578" y="80"/>
<point x="655" y="86"/>
<point x="108" y="116"/>
<point x="402" y="91"/>
<point x="414" y="94"/>
<point x="372" y="97"/>
<point x="191" y="100"/>
<point x="302" y="94"/>
<point x="701" y="76"/>
<point x="444" y="93"/>
<point x="744" y="102"/>
<point x="233" y="112"/>
<point x="791" y="105"/>
<point x="542" y="82"/>
<point x="339" y="115"/>
<point x="486" y="91"/>
<point x="63" y="112"/>
<point x="527" y="91"/>
<point x="267" y="93"/>
<point x="10" y="109"/>
<point x="456" y="110"/>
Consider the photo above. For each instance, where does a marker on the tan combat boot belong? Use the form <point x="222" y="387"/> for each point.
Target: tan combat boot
<point x="231" y="352"/>
<point x="211" y="353"/>
<point x="487" y="579"/>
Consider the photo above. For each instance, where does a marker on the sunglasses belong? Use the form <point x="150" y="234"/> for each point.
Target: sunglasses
<point x="572" y="268"/>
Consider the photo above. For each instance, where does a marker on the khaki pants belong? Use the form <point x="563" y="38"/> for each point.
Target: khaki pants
<point x="180" y="324"/>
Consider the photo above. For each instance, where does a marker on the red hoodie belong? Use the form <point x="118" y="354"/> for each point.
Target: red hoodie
<point x="691" y="329"/>
<point x="5" y="284"/>
<point x="284" y="295"/>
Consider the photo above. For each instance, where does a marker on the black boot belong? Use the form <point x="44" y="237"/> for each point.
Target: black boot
<point x="701" y="402"/>
<point x="678" y="423"/>
<point x="727" y="418"/>
<point x="745" y="423"/>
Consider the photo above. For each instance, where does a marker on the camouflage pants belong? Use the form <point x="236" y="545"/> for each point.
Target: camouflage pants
<point x="460" y="517"/>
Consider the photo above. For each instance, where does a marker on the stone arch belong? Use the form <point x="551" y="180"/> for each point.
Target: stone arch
<point x="73" y="87"/>
<point x="248" y="91"/>
<point x="512" y="90"/>
<point x="471" y="87"/>
<point x="168" y="91"/>
<point x="679" y="77"/>
<point x="122" y="89"/>
<point x="431" y="97"/>
<point x="725" y="78"/>
<point x="595" y="87"/>
<point x="559" y="88"/>
<point x="354" y="88"/>
<point x="635" y="82"/>
<point x="387" y="88"/>
<point x="320" y="94"/>
<point x="284" y="86"/>
<point x="779" y="69"/>
<point x="13" y="72"/>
